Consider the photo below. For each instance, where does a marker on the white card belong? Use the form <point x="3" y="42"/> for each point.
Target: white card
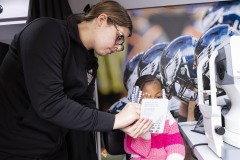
<point x="156" y="110"/>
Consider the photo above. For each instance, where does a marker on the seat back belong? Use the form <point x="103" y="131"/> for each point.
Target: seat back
<point x="114" y="142"/>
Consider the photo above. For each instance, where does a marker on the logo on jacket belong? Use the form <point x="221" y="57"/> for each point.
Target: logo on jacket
<point x="90" y="76"/>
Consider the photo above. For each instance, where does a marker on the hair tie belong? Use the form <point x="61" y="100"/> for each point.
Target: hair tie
<point x="87" y="8"/>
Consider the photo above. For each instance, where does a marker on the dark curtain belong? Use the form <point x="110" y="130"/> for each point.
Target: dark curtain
<point x="3" y="51"/>
<point x="59" y="9"/>
<point x="80" y="145"/>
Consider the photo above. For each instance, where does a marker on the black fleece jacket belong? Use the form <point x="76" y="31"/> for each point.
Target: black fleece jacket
<point x="46" y="87"/>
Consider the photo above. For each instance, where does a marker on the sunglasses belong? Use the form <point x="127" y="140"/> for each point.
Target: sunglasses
<point x="120" y="38"/>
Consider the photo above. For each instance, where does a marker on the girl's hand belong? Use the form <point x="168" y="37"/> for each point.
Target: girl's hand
<point x="146" y="95"/>
<point x="138" y="128"/>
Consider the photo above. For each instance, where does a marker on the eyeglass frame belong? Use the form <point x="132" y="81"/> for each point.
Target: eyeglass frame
<point x="120" y="37"/>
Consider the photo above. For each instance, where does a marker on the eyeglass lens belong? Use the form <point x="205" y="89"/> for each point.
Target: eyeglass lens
<point x="120" y="40"/>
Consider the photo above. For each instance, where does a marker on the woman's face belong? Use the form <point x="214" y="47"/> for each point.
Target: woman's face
<point x="152" y="90"/>
<point x="109" y="38"/>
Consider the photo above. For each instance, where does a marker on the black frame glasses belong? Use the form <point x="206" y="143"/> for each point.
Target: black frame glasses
<point x="120" y="38"/>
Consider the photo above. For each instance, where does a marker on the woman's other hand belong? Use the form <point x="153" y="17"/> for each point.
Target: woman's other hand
<point x="128" y="115"/>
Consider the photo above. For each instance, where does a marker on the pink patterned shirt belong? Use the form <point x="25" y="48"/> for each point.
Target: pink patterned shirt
<point x="165" y="146"/>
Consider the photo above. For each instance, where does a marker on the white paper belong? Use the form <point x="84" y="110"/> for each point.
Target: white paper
<point x="156" y="110"/>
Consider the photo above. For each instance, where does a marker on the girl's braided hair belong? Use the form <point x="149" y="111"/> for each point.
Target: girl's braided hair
<point x="145" y="79"/>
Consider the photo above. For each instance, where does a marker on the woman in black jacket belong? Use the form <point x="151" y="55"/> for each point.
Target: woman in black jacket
<point x="47" y="83"/>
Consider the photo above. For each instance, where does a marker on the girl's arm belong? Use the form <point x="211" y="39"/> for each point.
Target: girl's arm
<point x="138" y="146"/>
<point x="174" y="145"/>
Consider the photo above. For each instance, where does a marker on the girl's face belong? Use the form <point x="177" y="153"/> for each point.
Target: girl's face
<point x="109" y="38"/>
<point x="152" y="90"/>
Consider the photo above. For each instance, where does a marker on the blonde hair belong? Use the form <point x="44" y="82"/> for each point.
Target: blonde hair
<point x="116" y="14"/>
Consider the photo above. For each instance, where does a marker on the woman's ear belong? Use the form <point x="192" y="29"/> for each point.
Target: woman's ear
<point x="102" y="19"/>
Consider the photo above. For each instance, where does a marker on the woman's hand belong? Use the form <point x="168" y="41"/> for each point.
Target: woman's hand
<point x="138" y="128"/>
<point x="128" y="115"/>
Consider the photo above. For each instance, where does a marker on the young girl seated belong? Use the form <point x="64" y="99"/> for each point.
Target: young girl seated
<point x="161" y="146"/>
